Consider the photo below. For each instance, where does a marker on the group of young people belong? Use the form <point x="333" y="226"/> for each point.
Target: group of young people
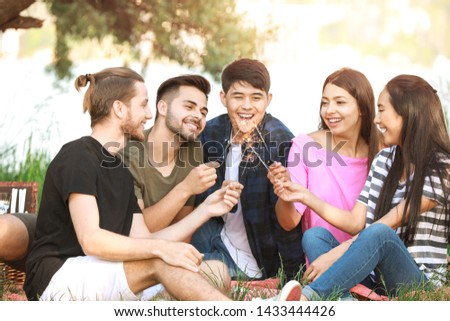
<point x="189" y="204"/>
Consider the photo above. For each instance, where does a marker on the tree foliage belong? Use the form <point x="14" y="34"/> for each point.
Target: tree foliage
<point x="204" y="34"/>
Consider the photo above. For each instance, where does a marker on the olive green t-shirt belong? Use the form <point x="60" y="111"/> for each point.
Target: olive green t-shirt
<point x="149" y="184"/>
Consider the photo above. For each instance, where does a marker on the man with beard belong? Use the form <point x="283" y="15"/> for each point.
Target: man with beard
<point x="91" y="242"/>
<point x="167" y="167"/>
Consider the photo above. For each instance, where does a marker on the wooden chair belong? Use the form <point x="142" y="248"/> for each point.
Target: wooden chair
<point x="9" y="275"/>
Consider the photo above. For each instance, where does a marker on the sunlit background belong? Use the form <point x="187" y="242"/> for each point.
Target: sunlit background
<point x="381" y="38"/>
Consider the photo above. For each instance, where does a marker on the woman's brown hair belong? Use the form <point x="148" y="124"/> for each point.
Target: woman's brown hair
<point x="359" y="87"/>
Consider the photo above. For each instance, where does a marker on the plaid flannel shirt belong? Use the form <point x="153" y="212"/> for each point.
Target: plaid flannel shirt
<point x="271" y="246"/>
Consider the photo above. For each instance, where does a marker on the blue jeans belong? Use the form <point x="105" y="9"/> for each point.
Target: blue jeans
<point x="377" y="248"/>
<point x="207" y="240"/>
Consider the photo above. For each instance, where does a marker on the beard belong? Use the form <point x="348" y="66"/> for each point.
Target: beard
<point x="174" y="126"/>
<point x="133" y="129"/>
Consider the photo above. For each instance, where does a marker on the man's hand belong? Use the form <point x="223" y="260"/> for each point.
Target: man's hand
<point x="201" y="178"/>
<point x="223" y="200"/>
<point x="181" y="254"/>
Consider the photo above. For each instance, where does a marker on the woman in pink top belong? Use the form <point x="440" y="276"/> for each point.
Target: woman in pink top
<point x="332" y="162"/>
<point x="338" y="179"/>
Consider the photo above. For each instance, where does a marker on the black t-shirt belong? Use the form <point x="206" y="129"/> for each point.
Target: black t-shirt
<point x="82" y="166"/>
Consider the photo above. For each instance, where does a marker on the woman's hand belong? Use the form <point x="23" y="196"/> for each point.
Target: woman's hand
<point x="278" y="172"/>
<point x="290" y="191"/>
<point x="319" y="266"/>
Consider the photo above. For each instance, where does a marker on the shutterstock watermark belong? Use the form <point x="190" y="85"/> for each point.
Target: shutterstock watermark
<point x="330" y="154"/>
<point x="253" y="153"/>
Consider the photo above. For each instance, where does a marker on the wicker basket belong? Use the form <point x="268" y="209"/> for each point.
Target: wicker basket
<point x="9" y="275"/>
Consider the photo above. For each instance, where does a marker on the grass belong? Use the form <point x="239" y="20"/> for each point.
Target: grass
<point x="243" y="290"/>
<point x="421" y="292"/>
<point x="31" y="169"/>
<point x="9" y="291"/>
<point x="417" y="292"/>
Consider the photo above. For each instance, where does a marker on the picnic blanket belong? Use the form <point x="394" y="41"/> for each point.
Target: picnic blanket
<point x="248" y="290"/>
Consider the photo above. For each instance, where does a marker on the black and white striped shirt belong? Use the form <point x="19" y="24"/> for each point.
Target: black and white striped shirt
<point x="429" y="246"/>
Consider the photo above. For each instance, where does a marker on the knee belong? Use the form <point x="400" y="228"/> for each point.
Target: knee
<point x="313" y="235"/>
<point x="2" y="228"/>
<point x="5" y="227"/>
<point x="13" y="238"/>
<point x="217" y="273"/>
<point x="4" y="236"/>
<point x="377" y="230"/>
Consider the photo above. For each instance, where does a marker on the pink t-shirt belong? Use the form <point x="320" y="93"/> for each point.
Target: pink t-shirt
<point x="335" y="179"/>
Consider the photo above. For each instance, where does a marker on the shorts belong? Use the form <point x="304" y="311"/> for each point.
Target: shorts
<point x="29" y="220"/>
<point x="207" y="241"/>
<point x="87" y="278"/>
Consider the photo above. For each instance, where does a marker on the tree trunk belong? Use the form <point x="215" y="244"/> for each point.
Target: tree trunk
<point x="10" y="9"/>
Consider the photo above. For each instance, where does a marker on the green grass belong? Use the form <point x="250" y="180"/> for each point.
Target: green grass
<point x="31" y="168"/>
<point x="418" y="292"/>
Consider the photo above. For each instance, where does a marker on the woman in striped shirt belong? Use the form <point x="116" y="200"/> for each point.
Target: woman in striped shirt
<point x="401" y="221"/>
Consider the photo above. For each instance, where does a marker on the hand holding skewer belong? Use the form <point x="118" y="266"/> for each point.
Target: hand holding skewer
<point x="222" y="200"/>
<point x="278" y="173"/>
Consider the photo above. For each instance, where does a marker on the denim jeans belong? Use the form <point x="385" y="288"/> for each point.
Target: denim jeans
<point x="377" y="248"/>
<point x="207" y="240"/>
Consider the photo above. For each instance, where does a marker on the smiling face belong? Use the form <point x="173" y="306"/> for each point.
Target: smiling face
<point x="138" y="113"/>
<point x="186" y="113"/>
<point x="340" y="112"/>
<point x="246" y="107"/>
<point x="388" y="122"/>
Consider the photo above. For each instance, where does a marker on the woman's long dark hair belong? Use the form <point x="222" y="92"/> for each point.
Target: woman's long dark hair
<point x="424" y="142"/>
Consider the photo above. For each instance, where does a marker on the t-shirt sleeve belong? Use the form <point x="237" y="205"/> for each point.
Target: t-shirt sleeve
<point x="298" y="169"/>
<point x="432" y="189"/>
<point x="77" y="174"/>
<point x="364" y="195"/>
<point x="377" y="173"/>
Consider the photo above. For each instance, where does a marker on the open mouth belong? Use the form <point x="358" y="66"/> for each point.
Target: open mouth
<point x="245" y="122"/>
<point x="381" y="129"/>
<point x="143" y="125"/>
<point x="245" y="118"/>
<point x="334" y="120"/>
<point x="192" y="125"/>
